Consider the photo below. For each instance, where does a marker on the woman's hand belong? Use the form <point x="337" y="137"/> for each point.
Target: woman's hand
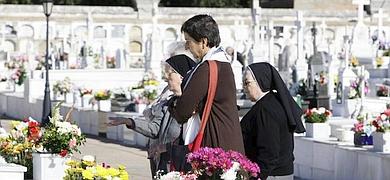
<point x="116" y="121"/>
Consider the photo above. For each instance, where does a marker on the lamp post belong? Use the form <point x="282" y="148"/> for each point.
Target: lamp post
<point x="47" y="7"/>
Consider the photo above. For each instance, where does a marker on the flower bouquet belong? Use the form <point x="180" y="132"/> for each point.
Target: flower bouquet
<point x="60" y="136"/>
<point x="363" y="129"/>
<point x="215" y="163"/>
<point x="354" y="61"/>
<point x="110" y="61"/>
<point x="18" y="75"/>
<point x="17" y="146"/>
<point x="315" y="123"/>
<point x="382" y="122"/>
<point x="379" y="62"/>
<point x="381" y="136"/>
<point x="102" y="95"/>
<point x="85" y="91"/>
<point x="315" y="115"/>
<point x="355" y="91"/>
<point x="382" y="91"/>
<point x="62" y="87"/>
<point x="89" y="170"/>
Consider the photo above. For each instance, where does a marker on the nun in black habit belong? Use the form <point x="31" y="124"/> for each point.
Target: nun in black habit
<point x="268" y="128"/>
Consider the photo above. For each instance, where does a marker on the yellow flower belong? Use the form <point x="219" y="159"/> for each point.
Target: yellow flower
<point x="379" y="61"/>
<point x="79" y="170"/>
<point x="101" y="171"/>
<point x="72" y="163"/>
<point x="124" y="175"/>
<point x="88" y="163"/>
<point x="354" y="61"/>
<point x="15" y="123"/>
<point x="113" y="172"/>
<point x="88" y="174"/>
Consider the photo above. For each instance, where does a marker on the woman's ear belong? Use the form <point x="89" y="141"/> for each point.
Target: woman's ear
<point x="204" y="43"/>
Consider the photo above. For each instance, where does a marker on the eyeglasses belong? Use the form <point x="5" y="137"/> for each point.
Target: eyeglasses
<point x="247" y="82"/>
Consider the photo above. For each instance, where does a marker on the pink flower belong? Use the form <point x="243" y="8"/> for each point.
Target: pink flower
<point x="72" y="143"/>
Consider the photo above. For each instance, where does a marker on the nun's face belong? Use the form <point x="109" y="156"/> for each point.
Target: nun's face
<point x="173" y="79"/>
<point x="251" y="88"/>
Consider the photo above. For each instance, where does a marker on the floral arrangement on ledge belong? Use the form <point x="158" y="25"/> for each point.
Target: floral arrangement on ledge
<point x="382" y="122"/>
<point x="17" y="146"/>
<point x="102" y="95"/>
<point x="147" y="89"/>
<point x="354" y="61"/>
<point x="215" y="163"/>
<point x="62" y="87"/>
<point x="85" y="91"/>
<point x="60" y="136"/>
<point x="40" y="60"/>
<point x="315" y="115"/>
<point x="363" y="125"/>
<point x="382" y="91"/>
<point x="355" y="90"/>
<point x="379" y="61"/>
<point x="110" y="61"/>
<point x="19" y="75"/>
<point x="88" y="169"/>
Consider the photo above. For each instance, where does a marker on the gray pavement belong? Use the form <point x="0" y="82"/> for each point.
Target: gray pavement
<point x="112" y="153"/>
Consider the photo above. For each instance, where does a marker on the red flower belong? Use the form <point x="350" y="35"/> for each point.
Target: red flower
<point x="63" y="153"/>
<point x="308" y="112"/>
<point x="375" y="123"/>
<point x="327" y="113"/>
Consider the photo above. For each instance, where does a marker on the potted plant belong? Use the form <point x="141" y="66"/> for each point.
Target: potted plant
<point x="315" y="120"/>
<point x="102" y="97"/>
<point x="381" y="136"/>
<point x="18" y="145"/>
<point x="85" y="95"/>
<point x="363" y="130"/>
<point x="59" y="140"/>
<point x="63" y="88"/>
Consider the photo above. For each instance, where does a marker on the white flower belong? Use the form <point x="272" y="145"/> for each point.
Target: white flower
<point x="321" y="110"/>
<point x="88" y="158"/>
<point x="383" y="116"/>
<point x="231" y="174"/>
<point x="174" y="175"/>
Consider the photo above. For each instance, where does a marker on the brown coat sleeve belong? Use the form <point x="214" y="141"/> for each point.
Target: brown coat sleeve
<point x="192" y="95"/>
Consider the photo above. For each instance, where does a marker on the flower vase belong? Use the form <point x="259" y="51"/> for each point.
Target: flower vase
<point x="104" y="105"/>
<point x="139" y="108"/>
<point x="18" y="88"/>
<point x="84" y="101"/>
<point x="68" y="98"/>
<point x="361" y="139"/>
<point x="48" y="166"/>
<point x="318" y="130"/>
<point x="381" y="141"/>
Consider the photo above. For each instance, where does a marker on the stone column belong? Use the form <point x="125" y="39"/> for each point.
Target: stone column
<point x="301" y="65"/>
<point x="271" y="34"/>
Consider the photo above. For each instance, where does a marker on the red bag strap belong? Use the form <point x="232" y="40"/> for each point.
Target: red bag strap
<point x="213" y="79"/>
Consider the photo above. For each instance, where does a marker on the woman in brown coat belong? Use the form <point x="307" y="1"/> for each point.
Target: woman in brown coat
<point x="223" y="127"/>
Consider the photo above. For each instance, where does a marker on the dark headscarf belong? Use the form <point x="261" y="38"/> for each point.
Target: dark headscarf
<point x="182" y="64"/>
<point x="269" y="79"/>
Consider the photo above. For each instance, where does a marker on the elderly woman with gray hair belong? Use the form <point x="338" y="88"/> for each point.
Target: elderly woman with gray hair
<point x="158" y="124"/>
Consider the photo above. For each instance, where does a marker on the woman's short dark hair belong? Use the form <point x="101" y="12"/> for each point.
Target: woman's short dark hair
<point x="202" y="26"/>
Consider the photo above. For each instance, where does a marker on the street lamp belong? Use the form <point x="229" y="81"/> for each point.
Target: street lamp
<point x="47" y="7"/>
